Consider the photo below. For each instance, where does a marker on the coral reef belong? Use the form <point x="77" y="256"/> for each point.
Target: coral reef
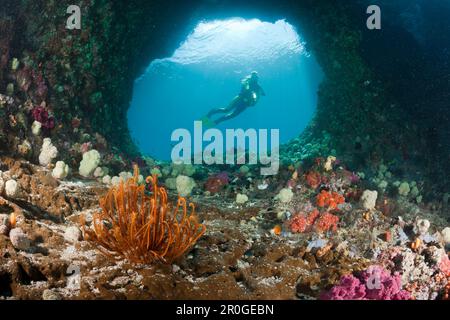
<point x="327" y="222"/>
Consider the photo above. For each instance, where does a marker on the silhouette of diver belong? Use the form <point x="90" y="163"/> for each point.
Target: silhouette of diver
<point x="249" y="96"/>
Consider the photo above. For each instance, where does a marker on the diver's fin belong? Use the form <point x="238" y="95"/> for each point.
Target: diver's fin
<point x="207" y="122"/>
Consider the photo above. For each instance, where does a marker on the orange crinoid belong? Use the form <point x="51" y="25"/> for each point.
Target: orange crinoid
<point x="143" y="228"/>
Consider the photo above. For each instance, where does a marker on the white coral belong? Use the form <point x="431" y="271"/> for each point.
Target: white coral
<point x="61" y="170"/>
<point x="446" y="235"/>
<point x="106" y="179"/>
<point x="185" y="185"/>
<point x="36" y="128"/>
<point x="90" y="162"/>
<point x="11" y="188"/>
<point x="285" y="195"/>
<point x="241" y="198"/>
<point x="369" y="199"/>
<point x="115" y="181"/>
<point x="99" y="172"/>
<point x="48" y="152"/>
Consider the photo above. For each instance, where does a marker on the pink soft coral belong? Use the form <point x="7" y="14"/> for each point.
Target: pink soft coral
<point x="349" y="288"/>
<point x="444" y="264"/>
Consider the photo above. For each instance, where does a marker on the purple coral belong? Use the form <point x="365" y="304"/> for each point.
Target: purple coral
<point x="41" y="115"/>
<point x="375" y="283"/>
<point x="354" y="178"/>
<point x="223" y="177"/>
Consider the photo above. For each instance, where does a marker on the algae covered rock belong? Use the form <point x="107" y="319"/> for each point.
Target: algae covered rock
<point x="19" y="239"/>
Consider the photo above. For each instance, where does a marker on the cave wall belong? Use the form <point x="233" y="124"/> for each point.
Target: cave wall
<point x="88" y="74"/>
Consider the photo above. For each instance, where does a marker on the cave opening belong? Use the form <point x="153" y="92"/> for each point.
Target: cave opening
<point x="206" y="72"/>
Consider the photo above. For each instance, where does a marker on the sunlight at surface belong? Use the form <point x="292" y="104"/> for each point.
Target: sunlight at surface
<point x="237" y="41"/>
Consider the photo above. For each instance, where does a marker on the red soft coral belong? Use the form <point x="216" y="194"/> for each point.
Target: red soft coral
<point x="313" y="179"/>
<point x="327" y="222"/>
<point x="298" y="223"/>
<point x="301" y="223"/>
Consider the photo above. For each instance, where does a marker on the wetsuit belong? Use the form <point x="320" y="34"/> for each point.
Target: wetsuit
<point x="249" y="96"/>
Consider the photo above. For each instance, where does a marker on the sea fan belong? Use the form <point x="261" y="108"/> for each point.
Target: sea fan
<point x="143" y="228"/>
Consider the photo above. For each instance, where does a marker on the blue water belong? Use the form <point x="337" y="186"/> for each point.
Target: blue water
<point x="205" y="72"/>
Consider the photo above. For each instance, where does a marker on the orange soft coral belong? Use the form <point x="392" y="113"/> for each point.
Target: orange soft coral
<point x="327" y="222"/>
<point x="143" y="228"/>
<point x="329" y="199"/>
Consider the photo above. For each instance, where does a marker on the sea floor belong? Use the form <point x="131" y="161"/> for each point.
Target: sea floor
<point x="239" y="257"/>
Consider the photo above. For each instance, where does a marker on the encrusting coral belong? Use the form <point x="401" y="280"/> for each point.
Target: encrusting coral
<point x="142" y="228"/>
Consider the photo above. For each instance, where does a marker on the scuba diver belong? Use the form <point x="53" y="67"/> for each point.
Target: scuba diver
<point x="248" y="97"/>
